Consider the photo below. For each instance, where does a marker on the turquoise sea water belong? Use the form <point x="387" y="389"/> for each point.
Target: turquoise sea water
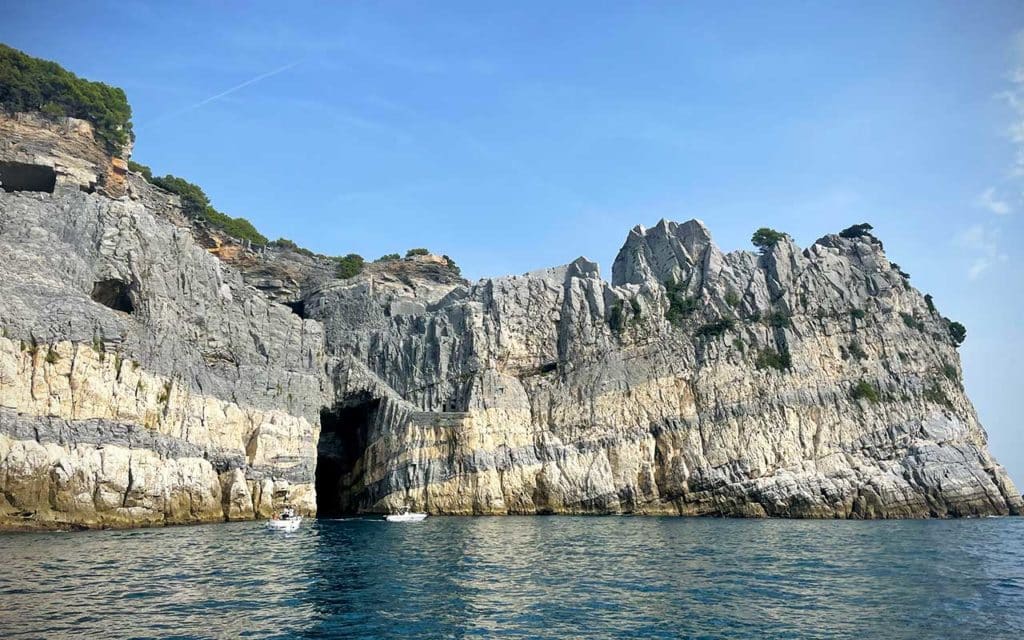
<point x="529" y="577"/>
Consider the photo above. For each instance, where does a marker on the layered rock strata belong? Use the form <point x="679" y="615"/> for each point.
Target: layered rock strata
<point x="814" y="383"/>
<point x="142" y="381"/>
<point x="155" y="371"/>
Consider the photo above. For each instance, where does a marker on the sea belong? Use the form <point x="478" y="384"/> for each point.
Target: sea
<point x="521" y="577"/>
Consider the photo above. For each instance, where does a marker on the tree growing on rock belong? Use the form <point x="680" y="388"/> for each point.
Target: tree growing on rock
<point x="957" y="332"/>
<point x="451" y="265"/>
<point x="857" y="231"/>
<point x="765" y="238"/>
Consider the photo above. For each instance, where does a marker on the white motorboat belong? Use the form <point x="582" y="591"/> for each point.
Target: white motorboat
<point x="405" y="515"/>
<point x="288" y="520"/>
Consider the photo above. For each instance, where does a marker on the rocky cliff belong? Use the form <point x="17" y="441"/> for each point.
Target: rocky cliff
<point x="814" y="383"/>
<point x="153" y="371"/>
<point x="141" y="380"/>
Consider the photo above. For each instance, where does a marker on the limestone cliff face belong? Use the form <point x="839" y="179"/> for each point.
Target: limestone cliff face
<point x="141" y="381"/>
<point x="813" y="383"/>
<point x="150" y="374"/>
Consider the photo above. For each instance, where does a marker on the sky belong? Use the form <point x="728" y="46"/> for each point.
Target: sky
<point x="516" y="136"/>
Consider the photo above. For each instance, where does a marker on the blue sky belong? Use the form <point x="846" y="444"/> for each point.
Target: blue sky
<point x="522" y="135"/>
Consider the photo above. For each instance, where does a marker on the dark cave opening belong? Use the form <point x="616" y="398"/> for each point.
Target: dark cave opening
<point x="298" y="308"/>
<point x="115" y="294"/>
<point x="20" y="176"/>
<point x="344" y="434"/>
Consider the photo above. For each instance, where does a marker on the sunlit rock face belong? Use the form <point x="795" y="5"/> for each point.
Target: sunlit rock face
<point x="803" y="383"/>
<point x="155" y="371"/>
<point x="141" y="381"/>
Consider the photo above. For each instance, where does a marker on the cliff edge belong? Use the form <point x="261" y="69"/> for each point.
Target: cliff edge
<point x="797" y="383"/>
<point x="155" y="371"/>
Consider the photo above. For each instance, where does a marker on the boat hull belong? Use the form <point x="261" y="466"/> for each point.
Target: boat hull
<point x="292" y="524"/>
<point x="405" y="517"/>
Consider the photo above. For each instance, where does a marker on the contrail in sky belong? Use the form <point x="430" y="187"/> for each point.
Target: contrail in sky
<point x="220" y="95"/>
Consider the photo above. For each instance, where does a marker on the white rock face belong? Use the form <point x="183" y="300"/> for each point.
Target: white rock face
<point x="141" y="381"/>
<point x="147" y="377"/>
<point x="557" y="392"/>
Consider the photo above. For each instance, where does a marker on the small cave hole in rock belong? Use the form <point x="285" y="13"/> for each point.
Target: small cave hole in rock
<point x="344" y="435"/>
<point x="298" y="308"/>
<point x="20" y="176"/>
<point x="114" y="294"/>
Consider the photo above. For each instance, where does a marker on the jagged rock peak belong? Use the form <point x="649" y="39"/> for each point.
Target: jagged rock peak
<point x="666" y="252"/>
<point x="145" y="381"/>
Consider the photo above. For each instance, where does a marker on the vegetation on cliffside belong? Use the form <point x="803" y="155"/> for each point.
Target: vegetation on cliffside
<point x="31" y="84"/>
<point x="196" y="205"/>
<point x="766" y="238"/>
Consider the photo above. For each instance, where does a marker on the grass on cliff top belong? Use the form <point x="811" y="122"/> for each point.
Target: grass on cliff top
<point x="31" y="84"/>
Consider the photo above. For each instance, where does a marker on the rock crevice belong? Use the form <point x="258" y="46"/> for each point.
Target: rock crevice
<point x="153" y="372"/>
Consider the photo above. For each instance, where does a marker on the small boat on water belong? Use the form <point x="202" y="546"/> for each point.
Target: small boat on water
<point x="405" y="515"/>
<point x="287" y="520"/>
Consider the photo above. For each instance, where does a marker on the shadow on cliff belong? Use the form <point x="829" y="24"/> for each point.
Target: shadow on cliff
<point x="344" y="433"/>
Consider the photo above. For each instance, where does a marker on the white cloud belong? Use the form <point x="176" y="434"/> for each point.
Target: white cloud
<point x="990" y="202"/>
<point x="1014" y="98"/>
<point x="983" y="241"/>
<point x="978" y="267"/>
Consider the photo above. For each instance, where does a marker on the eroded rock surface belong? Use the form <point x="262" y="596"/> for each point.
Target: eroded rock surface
<point x="141" y="380"/>
<point x="155" y="371"/>
<point x="556" y="392"/>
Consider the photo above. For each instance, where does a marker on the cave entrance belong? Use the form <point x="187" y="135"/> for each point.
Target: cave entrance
<point x="298" y="308"/>
<point x="20" y="176"/>
<point x="344" y="434"/>
<point x="115" y="294"/>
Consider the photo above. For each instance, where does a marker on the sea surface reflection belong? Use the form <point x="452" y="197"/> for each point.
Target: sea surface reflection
<point x="529" y="577"/>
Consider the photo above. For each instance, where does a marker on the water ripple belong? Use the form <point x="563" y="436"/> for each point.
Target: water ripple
<point x="522" y="578"/>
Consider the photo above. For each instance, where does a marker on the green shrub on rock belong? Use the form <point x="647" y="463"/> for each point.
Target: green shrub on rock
<point x="857" y="231"/>
<point x="864" y="391"/>
<point x="911" y="321"/>
<point x="454" y="268"/>
<point x="934" y="393"/>
<point x="732" y="298"/>
<point x="957" y="332"/>
<point x="283" y="243"/>
<point x="237" y="227"/>
<point x="857" y="351"/>
<point x="898" y="269"/>
<point x="771" y="359"/>
<point x="141" y="169"/>
<point x="715" y="329"/>
<point x="765" y="238"/>
<point x="195" y="204"/>
<point x="679" y="305"/>
<point x="417" y="252"/>
<point x="778" y="319"/>
<point x="349" y="266"/>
